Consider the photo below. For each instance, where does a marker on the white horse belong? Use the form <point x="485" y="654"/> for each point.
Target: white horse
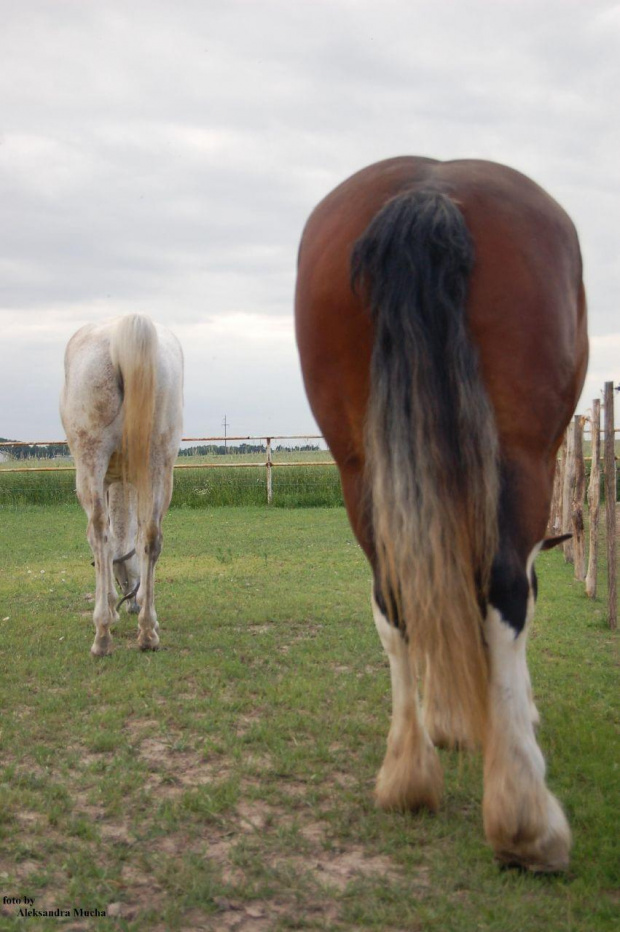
<point x="122" y="407"/>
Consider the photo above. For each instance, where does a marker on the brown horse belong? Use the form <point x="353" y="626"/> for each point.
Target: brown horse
<point x="441" y="324"/>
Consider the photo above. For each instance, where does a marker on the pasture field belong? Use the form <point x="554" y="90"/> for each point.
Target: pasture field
<point x="308" y="486"/>
<point x="293" y="486"/>
<point x="226" y="781"/>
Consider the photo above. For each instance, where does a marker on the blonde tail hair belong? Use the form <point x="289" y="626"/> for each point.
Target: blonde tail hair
<point x="133" y="350"/>
<point x="431" y="439"/>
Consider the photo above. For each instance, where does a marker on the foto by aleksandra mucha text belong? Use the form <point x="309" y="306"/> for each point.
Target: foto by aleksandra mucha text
<point x="25" y="909"/>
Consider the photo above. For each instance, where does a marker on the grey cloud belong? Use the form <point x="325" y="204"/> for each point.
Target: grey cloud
<point x="166" y="156"/>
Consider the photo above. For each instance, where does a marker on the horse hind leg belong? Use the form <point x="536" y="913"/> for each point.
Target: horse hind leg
<point x="92" y="497"/>
<point x="410" y="777"/>
<point x="523" y="821"/>
<point x="124" y="526"/>
<point x="148" y="626"/>
<point x="151" y="544"/>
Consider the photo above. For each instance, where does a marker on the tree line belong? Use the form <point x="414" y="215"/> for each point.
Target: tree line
<point x="26" y="451"/>
<point x="52" y="450"/>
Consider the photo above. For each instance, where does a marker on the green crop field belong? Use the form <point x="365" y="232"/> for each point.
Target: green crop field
<point x="226" y="781"/>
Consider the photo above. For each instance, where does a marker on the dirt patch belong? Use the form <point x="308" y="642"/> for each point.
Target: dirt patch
<point x="245" y="722"/>
<point x="295" y="789"/>
<point x="142" y="893"/>
<point x="257" y="816"/>
<point x="256" y="847"/>
<point x="23" y="869"/>
<point x="339" y="868"/>
<point x="343" y="779"/>
<point x="82" y="806"/>
<point x="155" y="751"/>
<point x="260" y="628"/>
<point x="331" y="866"/>
<point x="116" y="833"/>
<point x="137" y="726"/>
<point x="29" y="819"/>
<point x="174" y="772"/>
<point x="249" y="917"/>
<point x="315" y="832"/>
<point x="173" y="769"/>
<point x="219" y="850"/>
<point x="261" y="762"/>
<point x="308" y="632"/>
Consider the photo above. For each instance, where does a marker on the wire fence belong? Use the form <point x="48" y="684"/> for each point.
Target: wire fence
<point x="292" y="470"/>
<point x="283" y="470"/>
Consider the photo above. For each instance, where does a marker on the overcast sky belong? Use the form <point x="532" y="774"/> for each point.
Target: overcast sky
<point x="163" y="156"/>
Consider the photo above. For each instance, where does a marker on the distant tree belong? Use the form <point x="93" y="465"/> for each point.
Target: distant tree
<point x="34" y="450"/>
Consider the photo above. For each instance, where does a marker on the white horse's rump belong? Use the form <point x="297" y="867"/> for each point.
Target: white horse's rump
<point x="121" y="407"/>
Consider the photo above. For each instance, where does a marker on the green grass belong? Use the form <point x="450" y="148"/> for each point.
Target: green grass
<point x="312" y="486"/>
<point x="228" y="778"/>
<point x="293" y="486"/>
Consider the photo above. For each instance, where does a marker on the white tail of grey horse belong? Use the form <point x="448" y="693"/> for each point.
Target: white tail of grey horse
<point x="133" y="350"/>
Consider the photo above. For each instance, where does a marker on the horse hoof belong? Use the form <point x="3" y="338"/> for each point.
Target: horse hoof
<point x="507" y="859"/>
<point x="102" y="649"/>
<point x="149" y="643"/>
<point x="549" y="857"/>
<point x="408" y="781"/>
<point x="541" y="849"/>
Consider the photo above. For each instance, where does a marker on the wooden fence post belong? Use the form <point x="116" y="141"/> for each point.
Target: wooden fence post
<point x="554" y="527"/>
<point x="269" y="466"/>
<point x="610" y="503"/>
<point x="594" y="497"/>
<point x="579" y="490"/>
<point x="559" y="524"/>
<point x="567" y="491"/>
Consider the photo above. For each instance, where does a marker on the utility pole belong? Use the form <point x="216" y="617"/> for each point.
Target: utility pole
<point x="225" y="425"/>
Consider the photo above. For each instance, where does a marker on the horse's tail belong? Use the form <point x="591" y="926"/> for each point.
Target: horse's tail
<point x="431" y="444"/>
<point x="133" y="349"/>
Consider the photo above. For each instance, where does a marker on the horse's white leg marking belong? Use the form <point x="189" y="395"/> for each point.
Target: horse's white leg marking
<point x="450" y="732"/>
<point x="410" y="776"/>
<point x="523" y="820"/>
<point x="531" y="604"/>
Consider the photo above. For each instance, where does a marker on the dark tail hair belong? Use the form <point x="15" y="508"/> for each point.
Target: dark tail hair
<point x="432" y="460"/>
